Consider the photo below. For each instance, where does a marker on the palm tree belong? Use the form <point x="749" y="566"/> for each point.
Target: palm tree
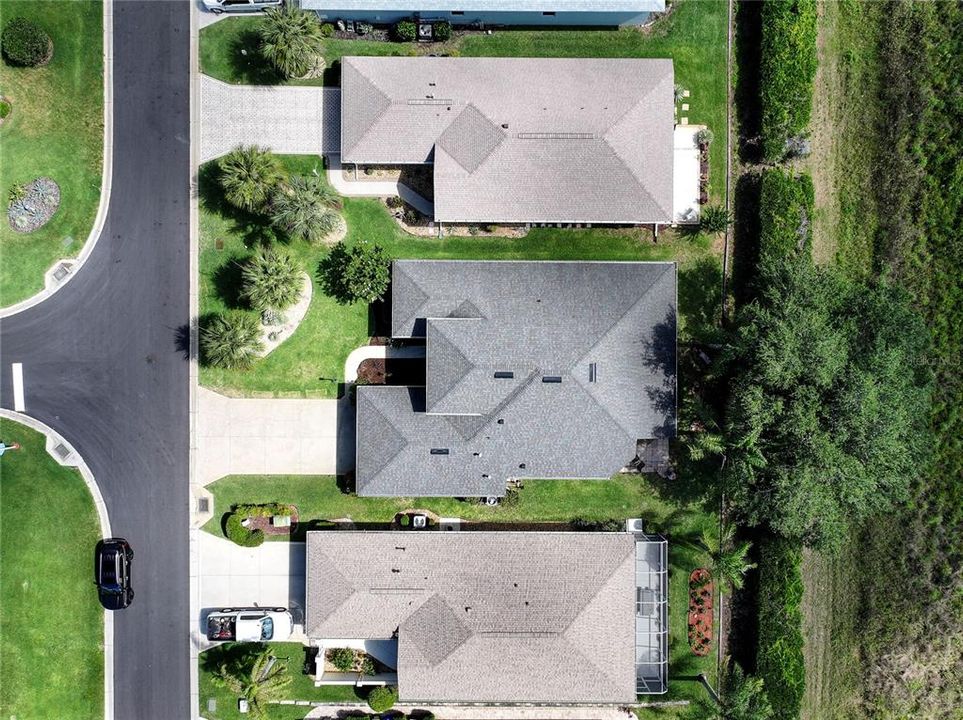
<point x="729" y="559"/>
<point x="291" y="40"/>
<point x="305" y="209"/>
<point x="705" y="438"/>
<point x="272" y="280"/>
<point x="743" y="696"/>
<point x="259" y="682"/>
<point x="715" y="218"/>
<point x="249" y="176"/>
<point x="231" y="340"/>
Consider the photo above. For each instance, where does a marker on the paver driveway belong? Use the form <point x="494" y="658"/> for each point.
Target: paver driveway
<point x="286" y="119"/>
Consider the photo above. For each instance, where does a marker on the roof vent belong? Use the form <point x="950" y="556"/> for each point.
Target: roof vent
<point x="551" y="378"/>
<point x="593" y="372"/>
<point x="504" y="126"/>
<point x="504" y="374"/>
<point x="439" y="451"/>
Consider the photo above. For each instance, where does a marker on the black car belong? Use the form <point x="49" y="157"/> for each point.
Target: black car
<point x="112" y="573"/>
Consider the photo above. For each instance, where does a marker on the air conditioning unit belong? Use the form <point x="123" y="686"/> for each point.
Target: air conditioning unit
<point x="634" y="525"/>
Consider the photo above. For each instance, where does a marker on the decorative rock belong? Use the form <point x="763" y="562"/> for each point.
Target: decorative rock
<point x="32" y="205"/>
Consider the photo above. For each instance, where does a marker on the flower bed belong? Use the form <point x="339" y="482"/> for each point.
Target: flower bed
<point x="700" y="611"/>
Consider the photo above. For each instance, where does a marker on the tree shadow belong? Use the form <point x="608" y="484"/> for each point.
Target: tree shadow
<point x="331" y="274"/>
<point x="700" y="299"/>
<point x="249" y="64"/>
<point x="182" y="339"/>
<point x="745" y="233"/>
<point x="228" y="280"/>
<point x="332" y="74"/>
<point x="235" y="657"/>
<point x="748" y="55"/>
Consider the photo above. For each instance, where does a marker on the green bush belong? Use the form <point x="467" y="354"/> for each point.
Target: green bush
<point x="367" y="666"/>
<point x="26" y="43"/>
<point x="360" y="272"/>
<point x="327" y="30"/>
<point x="786" y="215"/>
<point x="405" y="31"/>
<point x="442" y="30"/>
<point x="271" y="280"/>
<point x="779" y="660"/>
<point x="382" y="699"/>
<point x="342" y="658"/>
<point x="787" y="69"/>
<point x="239" y="534"/>
<point x="231" y="340"/>
<point x="5" y="108"/>
<point x="715" y="218"/>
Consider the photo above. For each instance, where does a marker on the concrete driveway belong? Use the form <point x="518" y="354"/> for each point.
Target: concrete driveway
<point x="285" y="119"/>
<point x="253" y="436"/>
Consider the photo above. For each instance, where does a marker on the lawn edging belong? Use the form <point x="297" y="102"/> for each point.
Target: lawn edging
<point x="105" y="177"/>
<point x="74" y="459"/>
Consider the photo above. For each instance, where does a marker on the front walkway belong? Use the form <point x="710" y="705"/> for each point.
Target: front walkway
<point x="286" y="119"/>
<point x="253" y="436"/>
<point x="375" y="188"/>
<point x="686" y="173"/>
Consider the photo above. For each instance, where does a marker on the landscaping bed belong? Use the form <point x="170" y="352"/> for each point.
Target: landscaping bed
<point x="701" y="590"/>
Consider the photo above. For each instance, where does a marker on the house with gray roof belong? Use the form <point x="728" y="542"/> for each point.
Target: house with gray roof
<point x="491" y="13"/>
<point x="520" y="140"/>
<point x="533" y="370"/>
<point x="496" y="617"/>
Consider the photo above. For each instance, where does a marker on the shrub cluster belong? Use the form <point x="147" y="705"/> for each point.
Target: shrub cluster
<point x="779" y="661"/>
<point x="342" y="658"/>
<point x="239" y="534"/>
<point x="26" y="43"/>
<point x="787" y="69"/>
<point x="785" y="216"/>
<point x="405" y="31"/>
<point x="442" y="30"/>
<point x="382" y="699"/>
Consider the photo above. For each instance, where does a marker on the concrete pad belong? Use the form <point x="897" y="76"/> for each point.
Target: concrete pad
<point x="685" y="174"/>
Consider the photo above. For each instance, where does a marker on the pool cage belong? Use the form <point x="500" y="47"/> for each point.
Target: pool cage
<point x="651" y="611"/>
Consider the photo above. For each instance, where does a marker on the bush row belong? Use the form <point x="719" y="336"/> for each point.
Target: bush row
<point x="779" y="660"/>
<point x="787" y="69"/>
<point x="785" y="215"/>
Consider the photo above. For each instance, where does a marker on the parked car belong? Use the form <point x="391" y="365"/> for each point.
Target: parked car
<point x="240" y="6"/>
<point x="249" y="624"/>
<point x="112" y="558"/>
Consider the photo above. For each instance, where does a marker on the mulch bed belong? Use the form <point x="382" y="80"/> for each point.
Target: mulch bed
<point x="700" y="611"/>
<point x="372" y="371"/>
<point x="264" y="524"/>
<point x="703" y="175"/>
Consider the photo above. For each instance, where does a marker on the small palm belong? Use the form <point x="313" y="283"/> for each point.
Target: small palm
<point x="729" y="559"/>
<point x="249" y="176"/>
<point x="258" y="682"/>
<point x="305" y="209"/>
<point x="291" y="40"/>
<point x="272" y="280"/>
<point x="231" y="341"/>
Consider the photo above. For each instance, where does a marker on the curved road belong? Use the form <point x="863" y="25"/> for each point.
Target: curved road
<point x="104" y="361"/>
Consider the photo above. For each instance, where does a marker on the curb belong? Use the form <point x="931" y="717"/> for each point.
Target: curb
<point x="105" y="179"/>
<point x="73" y="459"/>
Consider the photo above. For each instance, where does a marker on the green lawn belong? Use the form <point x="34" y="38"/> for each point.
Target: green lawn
<point x="291" y="655"/>
<point x="51" y="625"/>
<point x="310" y="363"/>
<point x="693" y="35"/>
<point x="56" y="130"/>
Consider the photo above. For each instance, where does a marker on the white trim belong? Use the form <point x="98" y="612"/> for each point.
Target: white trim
<point x="105" y="179"/>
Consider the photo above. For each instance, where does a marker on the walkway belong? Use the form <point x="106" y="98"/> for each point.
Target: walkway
<point x="247" y="436"/>
<point x="374" y="188"/>
<point x="377" y="352"/>
<point x="481" y="712"/>
<point x="293" y="120"/>
<point x="686" y="173"/>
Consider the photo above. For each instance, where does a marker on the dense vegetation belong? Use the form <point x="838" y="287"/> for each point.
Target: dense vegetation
<point x="785" y="215"/>
<point x="25" y="43"/>
<point x="787" y="69"/>
<point x="780" y="658"/>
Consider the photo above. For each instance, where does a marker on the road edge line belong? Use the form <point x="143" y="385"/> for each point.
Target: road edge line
<point x="106" y="175"/>
<point x="77" y="461"/>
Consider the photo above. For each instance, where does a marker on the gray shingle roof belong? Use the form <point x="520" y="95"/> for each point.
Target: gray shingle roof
<point x="614" y="322"/>
<point x="520" y="139"/>
<point x="484" y="616"/>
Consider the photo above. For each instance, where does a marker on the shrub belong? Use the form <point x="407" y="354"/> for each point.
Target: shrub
<point x="394" y="202"/>
<point x="304" y="209"/>
<point x="382" y="699"/>
<point x="291" y="40"/>
<point x="367" y="666"/>
<point x="786" y="212"/>
<point x="363" y="28"/>
<point x="715" y="218"/>
<point x="272" y="280"/>
<point x="249" y="175"/>
<point x="239" y="534"/>
<point x="26" y="43"/>
<point x="780" y="661"/>
<point x="704" y="137"/>
<point x="342" y="658"/>
<point x="360" y="272"/>
<point x="5" y="108"/>
<point x="405" y="31"/>
<point x="327" y="30"/>
<point x="231" y="341"/>
<point x="787" y="70"/>
<point x="442" y="30"/>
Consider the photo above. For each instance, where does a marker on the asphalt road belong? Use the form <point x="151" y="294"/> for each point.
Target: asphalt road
<point x="104" y="362"/>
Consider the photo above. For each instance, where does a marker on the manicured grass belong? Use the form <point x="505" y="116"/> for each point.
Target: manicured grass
<point x="310" y="363"/>
<point x="51" y="625"/>
<point x="693" y="35"/>
<point x="56" y="130"/>
<point x="292" y="655"/>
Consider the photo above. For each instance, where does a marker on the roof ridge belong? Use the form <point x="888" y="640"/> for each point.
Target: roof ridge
<point x="638" y="181"/>
<point x="433" y="322"/>
<point x="386" y="105"/>
<point x="364" y="393"/>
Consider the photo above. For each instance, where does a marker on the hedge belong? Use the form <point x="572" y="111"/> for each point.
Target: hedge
<point x="779" y="659"/>
<point x="239" y="534"/>
<point x="787" y="69"/>
<point x="785" y="215"/>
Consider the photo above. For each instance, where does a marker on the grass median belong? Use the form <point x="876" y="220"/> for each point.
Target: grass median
<point x="51" y="625"/>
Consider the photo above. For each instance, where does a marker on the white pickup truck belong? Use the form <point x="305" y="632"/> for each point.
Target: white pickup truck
<point x="249" y="624"/>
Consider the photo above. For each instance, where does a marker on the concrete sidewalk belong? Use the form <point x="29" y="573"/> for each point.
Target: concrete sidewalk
<point x="246" y="436"/>
<point x="480" y="712"/>
<point x="374" y="188"/>
<point x="292" y="120"/>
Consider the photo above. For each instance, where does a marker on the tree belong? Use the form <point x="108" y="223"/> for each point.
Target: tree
<point x="829" y="401"/>
<point x="231" y="340"/>
<point x="26" y="43"/>
<point x="249" y="175"/>
<point x="291" y="40"/>
<point x="259" y="680"/>
<point x="743" y="696"/>
<point x="360" y="272"/>
<point x="304" y="209"/>
<point x="382" y="699"/>
<point x="729" y="559"/>
<point x="715" y="218"/>
<point x="272" y="280"/>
